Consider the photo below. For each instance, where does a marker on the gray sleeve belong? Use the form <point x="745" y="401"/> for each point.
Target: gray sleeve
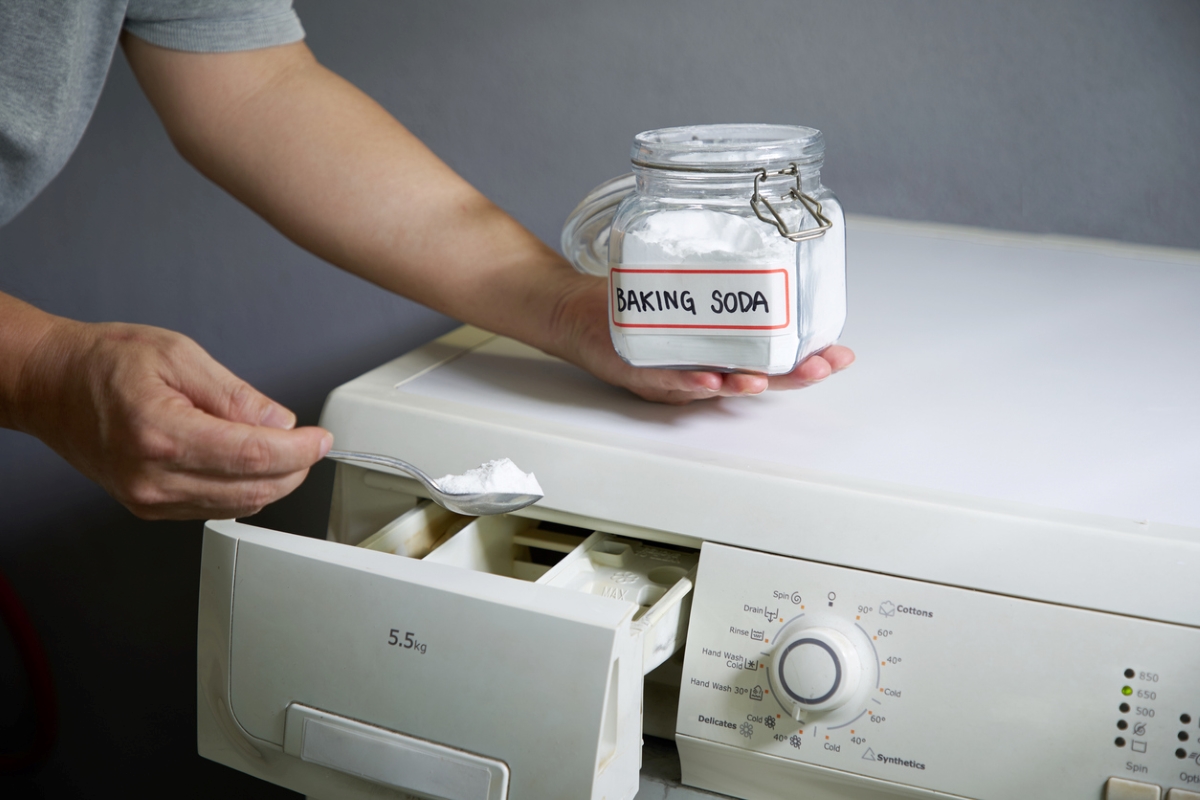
<point x="214" y="26"/>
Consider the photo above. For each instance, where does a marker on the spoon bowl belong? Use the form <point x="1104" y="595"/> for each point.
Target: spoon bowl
<point x="480" y="504"/>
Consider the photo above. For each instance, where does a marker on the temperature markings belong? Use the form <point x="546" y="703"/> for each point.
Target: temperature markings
<point x="874" y="650"/>
<point x="851" y="722"/>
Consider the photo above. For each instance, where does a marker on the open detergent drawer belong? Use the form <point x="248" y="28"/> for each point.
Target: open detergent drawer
<point x="496" y="657"/>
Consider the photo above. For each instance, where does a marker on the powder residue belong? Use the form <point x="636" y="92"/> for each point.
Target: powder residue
<point x="501" y="476"/>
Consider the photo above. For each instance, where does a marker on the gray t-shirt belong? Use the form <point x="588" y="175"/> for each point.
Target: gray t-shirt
<point x="55" y="54"/>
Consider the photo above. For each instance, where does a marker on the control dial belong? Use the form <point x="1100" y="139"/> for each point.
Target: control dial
<point x="815" y="669"/>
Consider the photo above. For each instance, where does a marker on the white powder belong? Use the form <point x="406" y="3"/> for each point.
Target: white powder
<point x="815" y="300"/>
<point x="698" y="235"/>
<point x="501" y="476"/>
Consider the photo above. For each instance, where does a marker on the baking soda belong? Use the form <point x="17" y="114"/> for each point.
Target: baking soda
<point x="715" y="259"/>
<point x="725" y="291"/>
<point x="695" y="236"/>
<point x="501" y="476"/>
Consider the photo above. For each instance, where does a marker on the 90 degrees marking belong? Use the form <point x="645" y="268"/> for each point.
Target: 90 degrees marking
<point x="409" y="642"/>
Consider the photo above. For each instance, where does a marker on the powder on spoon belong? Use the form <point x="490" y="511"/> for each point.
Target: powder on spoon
<point x="501" y="476"/>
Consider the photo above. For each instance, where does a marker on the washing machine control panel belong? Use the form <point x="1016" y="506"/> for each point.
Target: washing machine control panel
<point x="932" y="686"/>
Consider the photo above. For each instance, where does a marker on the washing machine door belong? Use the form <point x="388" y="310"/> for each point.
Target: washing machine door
<point x="343" y="672"/>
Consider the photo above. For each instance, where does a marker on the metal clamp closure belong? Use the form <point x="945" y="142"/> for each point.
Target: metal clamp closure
<point x="796" y="193"/>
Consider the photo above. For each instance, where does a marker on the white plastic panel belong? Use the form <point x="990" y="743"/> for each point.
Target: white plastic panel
<point x="1125" y="789"/>
<point x="415" y="532"/>
<point x="965" y="420"/>
<point x="758" y="776"/>
<point x="971" y="694"/>
<point x="955" y="470"/>
<point x="658" y="579"/>
<point x="392" y="759"/>
<point x="545" y="680"/>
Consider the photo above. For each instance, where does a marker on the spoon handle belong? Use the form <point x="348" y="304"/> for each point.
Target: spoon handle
<point x="384" y="461"/>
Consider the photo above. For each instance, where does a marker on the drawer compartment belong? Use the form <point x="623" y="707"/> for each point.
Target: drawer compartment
<point x="491" y="637"/>
<point x="657" y="579"/>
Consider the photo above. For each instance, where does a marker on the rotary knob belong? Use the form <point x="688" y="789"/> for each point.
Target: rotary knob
<point x="815" y="669"/>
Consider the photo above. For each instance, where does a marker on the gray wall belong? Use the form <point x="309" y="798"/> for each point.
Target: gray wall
<point x="1070" y="117"/>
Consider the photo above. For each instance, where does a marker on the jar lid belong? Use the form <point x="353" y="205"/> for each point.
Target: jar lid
<point x="693" y="148"/>
<point x="728" y="148"/>
<point x="585" y="234"/>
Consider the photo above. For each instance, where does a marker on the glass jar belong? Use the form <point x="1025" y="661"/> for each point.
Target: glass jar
<point x="722" y="249"/>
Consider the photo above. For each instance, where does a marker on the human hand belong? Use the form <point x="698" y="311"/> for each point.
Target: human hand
<point x="584" y="339"/>
<point x="165" y="429"/>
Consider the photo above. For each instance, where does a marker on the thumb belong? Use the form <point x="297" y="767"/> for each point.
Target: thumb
<point x="217" y="391"/>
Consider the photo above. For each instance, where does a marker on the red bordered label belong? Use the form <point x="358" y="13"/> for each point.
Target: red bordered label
<point x="649" y="299"/>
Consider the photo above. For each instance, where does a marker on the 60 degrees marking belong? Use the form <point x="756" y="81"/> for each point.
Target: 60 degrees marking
<point x="409" y="642"/>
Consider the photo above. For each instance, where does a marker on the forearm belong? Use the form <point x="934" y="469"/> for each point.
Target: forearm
<point x="338" y="175"/>
<point x="24" y="331"/>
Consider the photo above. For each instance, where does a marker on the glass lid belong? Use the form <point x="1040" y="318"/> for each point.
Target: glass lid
<point x="585" y="234"/>
<point x="728" y="148"/>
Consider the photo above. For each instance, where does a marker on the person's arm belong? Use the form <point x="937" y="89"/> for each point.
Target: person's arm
<point x="149" y="415"/>
<point x="334" y="172"/>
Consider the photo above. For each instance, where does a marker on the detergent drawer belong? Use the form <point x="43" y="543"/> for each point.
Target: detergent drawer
<point x="321" y="666"/>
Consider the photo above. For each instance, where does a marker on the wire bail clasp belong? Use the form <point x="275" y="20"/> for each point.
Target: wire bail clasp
<point x="757" y="200"/>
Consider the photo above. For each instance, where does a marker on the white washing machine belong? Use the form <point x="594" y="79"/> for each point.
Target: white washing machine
<point x="968" y="567"/>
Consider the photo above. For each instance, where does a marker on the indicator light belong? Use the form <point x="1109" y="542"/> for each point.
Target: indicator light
<point x="1185" y="718"/>
<point x="1183" y="736"/>
<point x="1119" y="741"/>
<point x="1129" y="673"/>
<point x="1122" y="724"/>
<point x="1124" y="708"/>
<point x="1181" y="753"/>
<point x="1127" y="690"/>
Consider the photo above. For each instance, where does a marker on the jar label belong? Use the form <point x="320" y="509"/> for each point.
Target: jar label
<point x="700" y="301"/>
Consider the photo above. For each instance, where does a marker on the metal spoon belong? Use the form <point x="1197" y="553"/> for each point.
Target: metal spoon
<point x="474" y="505"/>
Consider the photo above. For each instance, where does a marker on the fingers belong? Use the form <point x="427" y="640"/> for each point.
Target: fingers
<point x="679" y="387"/>
<point x="189" y="496"/>
<point x="683" y="386"/>
<point x="166" y="430"/>
<point x="815" y="368"/>
<point x="213" y="388"/>
<point x="740" y="383"/>
<point x="812" y="370"/>
<point x="839" y="357"/>
<point x="208" y="467"/>
<point x="670" y="386"/>
<point x="211" y="446"/>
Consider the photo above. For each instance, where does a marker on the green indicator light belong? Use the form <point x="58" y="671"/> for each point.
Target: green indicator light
<point x="1127" y="690"/>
